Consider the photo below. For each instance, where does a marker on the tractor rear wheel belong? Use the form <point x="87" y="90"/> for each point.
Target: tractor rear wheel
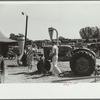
<point x="43" y="65"/>
<point x="82" y="63"/>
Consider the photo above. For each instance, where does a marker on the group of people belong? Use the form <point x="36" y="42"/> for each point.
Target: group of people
<point x="53" y="54"/>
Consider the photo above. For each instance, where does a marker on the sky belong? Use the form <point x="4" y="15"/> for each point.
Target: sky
<point x="67" y="17"/>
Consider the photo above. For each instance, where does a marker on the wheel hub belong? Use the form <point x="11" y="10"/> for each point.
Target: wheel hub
<point x="82" y="64"/>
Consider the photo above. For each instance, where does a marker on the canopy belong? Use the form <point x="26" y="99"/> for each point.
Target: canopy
<point x="5" y="39"/>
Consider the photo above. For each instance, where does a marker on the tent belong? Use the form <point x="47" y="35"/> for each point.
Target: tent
<point x="4" y="43"/>
<point x="5" y="39"/>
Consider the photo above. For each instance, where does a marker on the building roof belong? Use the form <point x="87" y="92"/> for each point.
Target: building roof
<point x="5" y="39"/>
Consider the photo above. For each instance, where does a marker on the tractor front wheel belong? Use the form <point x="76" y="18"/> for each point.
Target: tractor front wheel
<point x="43" y="65"/>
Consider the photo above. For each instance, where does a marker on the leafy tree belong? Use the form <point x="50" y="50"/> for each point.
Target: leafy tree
<point x="20" y="34"/>
<point x="13" y="36"/>
<point x="60" y="37"/>
<point x="89" y="32"/>
<point x="95" y="32"/>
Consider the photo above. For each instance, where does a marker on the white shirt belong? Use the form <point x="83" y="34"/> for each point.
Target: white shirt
<point x="55" y="50"/>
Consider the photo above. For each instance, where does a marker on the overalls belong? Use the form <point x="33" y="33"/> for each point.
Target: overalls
<point x="56" y="70"/>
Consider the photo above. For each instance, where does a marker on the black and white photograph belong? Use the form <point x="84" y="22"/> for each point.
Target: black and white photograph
<point x="49" y="49"/>
<point x="50" y="42"/>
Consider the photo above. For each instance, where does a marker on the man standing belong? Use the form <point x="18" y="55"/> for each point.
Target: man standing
<point x="29" y="58"/>
<point x="54" y="55"/>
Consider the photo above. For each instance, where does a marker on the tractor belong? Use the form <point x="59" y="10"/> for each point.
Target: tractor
<point x="82" y="60"/>
<point x="95" y="47"/>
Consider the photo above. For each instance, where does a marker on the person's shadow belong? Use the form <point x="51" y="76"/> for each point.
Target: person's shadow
<point x="27" y="73"/>
<point x="32" y="73"/>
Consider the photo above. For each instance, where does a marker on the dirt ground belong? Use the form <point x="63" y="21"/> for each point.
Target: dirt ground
<point x="16" y="74"/>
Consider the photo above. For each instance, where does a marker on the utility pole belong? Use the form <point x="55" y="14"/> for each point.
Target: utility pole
<point x="25" y="29"/>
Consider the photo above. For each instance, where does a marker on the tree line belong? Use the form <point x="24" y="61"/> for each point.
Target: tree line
<point x="85" y="33"/>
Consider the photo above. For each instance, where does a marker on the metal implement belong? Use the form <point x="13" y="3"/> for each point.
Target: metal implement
<point x="77" y="78"/>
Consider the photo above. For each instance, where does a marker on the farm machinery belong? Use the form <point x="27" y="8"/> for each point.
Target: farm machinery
<point x="82" y="60"/>
<point x="95" y="47"/>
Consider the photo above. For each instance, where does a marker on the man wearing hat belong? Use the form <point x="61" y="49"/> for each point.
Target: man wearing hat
<point x="54" y="55"/>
